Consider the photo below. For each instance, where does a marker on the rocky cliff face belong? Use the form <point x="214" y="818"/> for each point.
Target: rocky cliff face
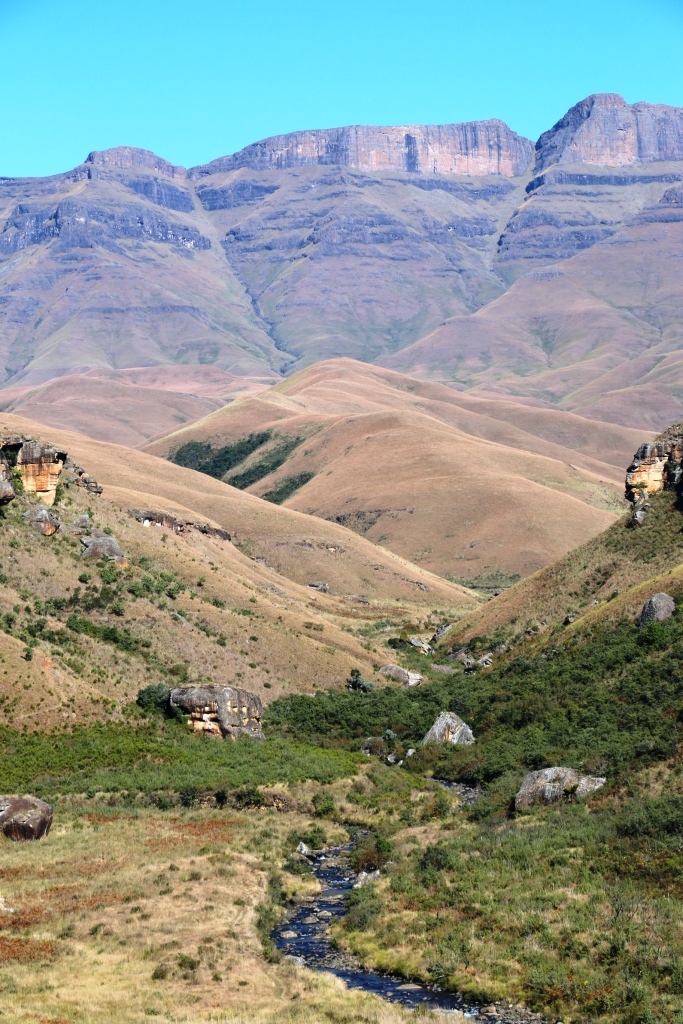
<point x="139" y="159"/>
<point x="655" y="465"/>
<point x="606" y="131"/>
<point x="478" y="147"/>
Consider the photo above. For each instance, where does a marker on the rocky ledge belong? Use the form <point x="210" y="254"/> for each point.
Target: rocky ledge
<point x="656" y="465"/>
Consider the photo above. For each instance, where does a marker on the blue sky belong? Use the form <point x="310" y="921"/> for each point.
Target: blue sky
<point x="193" y="81"/>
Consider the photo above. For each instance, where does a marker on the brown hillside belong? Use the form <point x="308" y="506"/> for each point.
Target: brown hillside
<point x="466" y="487"/>
<point x="279" y="634"/>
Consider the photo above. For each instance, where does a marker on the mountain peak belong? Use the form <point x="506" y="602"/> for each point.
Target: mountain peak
<point x="129" y="156"/>
<point x="606" y="131"/>
<point x="473" y="148"/>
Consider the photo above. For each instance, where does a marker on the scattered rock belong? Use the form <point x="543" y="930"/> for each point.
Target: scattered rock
<point x="441" y="631"/>
<point x="303" y="850"/>
<point x="99" y="545"/>
<point x="288" y="935"/>
<point x="568" y="620"/>
<point x="41" y="519"/>
<point x="443" y="668"/>
<point x="80" y="525"/>
<point x="24" y="818"/>
<point x="358" y="600"/>
<point x="220" y="710"/>
<point x="450" y="728"/>
<point x="322" y="587"/>
<point x="421" y="645"/>
<point x="551" y="784"/>
<point x="656" y="609"/>
<point x="485" y="661"/>
<point x="298" y="960"/>
<point x="364" y="877"/>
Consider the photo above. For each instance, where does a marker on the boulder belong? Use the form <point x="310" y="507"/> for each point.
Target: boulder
<point x="656" y="609"/>
<point x="24" y="818"/>
<point x="551" y="784"/>
<point x="220" y="710"/>
<point x="99" y="545"/>
<point x="81" y="524"/>
<point x="42" y="520"/>
<point x="450" y="728"/>
<point x="421" y="645"/>
<point x="401" y="675"/>
<point x="322" y="587"/>
<point x="441" y="631"/>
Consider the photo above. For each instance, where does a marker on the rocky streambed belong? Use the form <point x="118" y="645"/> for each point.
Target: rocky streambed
<point x="304" y="938"/>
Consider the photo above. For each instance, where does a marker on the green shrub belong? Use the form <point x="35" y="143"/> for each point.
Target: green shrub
<point x="324" y="805"/>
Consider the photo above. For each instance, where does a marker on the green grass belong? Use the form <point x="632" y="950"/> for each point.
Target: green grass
<point x="153" y="756"/>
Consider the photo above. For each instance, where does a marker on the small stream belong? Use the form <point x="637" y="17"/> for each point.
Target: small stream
<point x="305" y="938"/>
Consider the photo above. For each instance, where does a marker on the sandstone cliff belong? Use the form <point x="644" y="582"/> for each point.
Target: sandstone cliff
<point x="477" y="147"/>
<point x="656" y="464"/>
<point x="139" y="159"/>
<point x="606" y="131"/>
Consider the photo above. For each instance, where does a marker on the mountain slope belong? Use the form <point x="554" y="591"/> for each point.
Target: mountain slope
<point x="468" y="488"/>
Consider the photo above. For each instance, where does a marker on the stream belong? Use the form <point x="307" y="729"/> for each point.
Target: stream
<point x="305" y="938"/>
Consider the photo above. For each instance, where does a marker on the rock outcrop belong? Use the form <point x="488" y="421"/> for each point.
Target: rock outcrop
<point x="656" y="465"/>
<point x="137" y="159"/>
<point x="24" y="818"/>
<point x="100" y="545"/>
<point x="552" y="784"/>
<point x="220" y="710"/>
<point x="604" y="130"/>
<point x="401" y="675"/>
<point x="473" y="148"/>
<point x="42" y="520"/>
<point x="39" y="466"/>
<point x="179" y="526"/>
<point x="656" y="609"/>
<point x="450" y="728"/>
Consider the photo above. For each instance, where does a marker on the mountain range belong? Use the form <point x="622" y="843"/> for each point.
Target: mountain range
<point x="544" y="273"/>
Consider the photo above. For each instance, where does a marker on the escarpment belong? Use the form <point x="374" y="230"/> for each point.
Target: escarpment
<point x="476" y="147"/>
<point x="604" y="130"/>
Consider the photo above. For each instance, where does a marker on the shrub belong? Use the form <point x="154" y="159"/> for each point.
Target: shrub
<point x="324" y="805"/>
<point x="364" y="906"/>
<point x="155" y="699"/>
<point x="371" y="853"/>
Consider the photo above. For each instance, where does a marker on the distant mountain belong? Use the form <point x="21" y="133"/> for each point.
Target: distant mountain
<point x="458" y="252"/>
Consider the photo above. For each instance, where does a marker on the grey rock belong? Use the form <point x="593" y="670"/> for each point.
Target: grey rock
<point x="24" y="818"/>
<point x="303" y="850"/>
<point x="450" y="728"/>
<point x="421" y="645"/>
<point x="289" y="935"/>
<point x="441" y="631"/>
<point x="364" y="877"/>
<point x="322" y="587"/>
<point x="220" y="710"/>
<point x="41" y="519"/>
<point x="401" y="675"/>
<point x="7" y="493"/>
<point x="552" y="784"/>
<point x="101" y="547"/>
<point x="656" y="609"/>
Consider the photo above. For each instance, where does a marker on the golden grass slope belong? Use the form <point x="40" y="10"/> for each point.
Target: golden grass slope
<point x="292" y="638"/>
<point x="466" y="487"/>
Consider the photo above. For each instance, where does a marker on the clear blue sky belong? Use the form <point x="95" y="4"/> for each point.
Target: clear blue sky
<point x="195" y="80"/>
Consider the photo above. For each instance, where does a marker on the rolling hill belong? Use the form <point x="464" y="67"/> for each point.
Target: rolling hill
<point x="476" y="490"/>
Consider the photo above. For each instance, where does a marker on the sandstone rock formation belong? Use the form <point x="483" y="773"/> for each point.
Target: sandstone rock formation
<point x="39" y="465"/>
<point x="450" y="728"/>
<point x="656" y="609"/>
<point x="42" y="520"/>
<point x="551" y="784"/>
<point x="220" y="710"/>
<point x="604" y="130"/>
<point x="656" y="464"/>
<point x="24" y="818"/>
<point x="477" y="147"/>
<point x="128" y="156"/>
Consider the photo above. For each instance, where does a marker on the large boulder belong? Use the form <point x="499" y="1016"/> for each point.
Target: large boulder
<point x="41" y="519"/>
<point x="24" y="818"/>
<point x="401" y="675"/>
<point x="450" y="728"/>
<point x="656" y="609"/>
<point x="552" y="784"/>
<point x="99" y="545"/>
<point x="220" y="710"/>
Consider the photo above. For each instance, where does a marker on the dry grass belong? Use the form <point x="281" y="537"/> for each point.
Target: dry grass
<point x="118" y="895"/>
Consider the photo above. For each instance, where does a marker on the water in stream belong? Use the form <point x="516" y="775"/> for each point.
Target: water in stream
<point x="305" y="936"/>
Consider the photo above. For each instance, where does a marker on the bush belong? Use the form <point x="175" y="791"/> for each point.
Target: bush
<point x="657" y="817"/>
<point x="248" y="796"/>
<point x="364" y="906"/>
<point x="324" y="805"/>
<point x="371" y="853"/>
<point x="155" y="699"/>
